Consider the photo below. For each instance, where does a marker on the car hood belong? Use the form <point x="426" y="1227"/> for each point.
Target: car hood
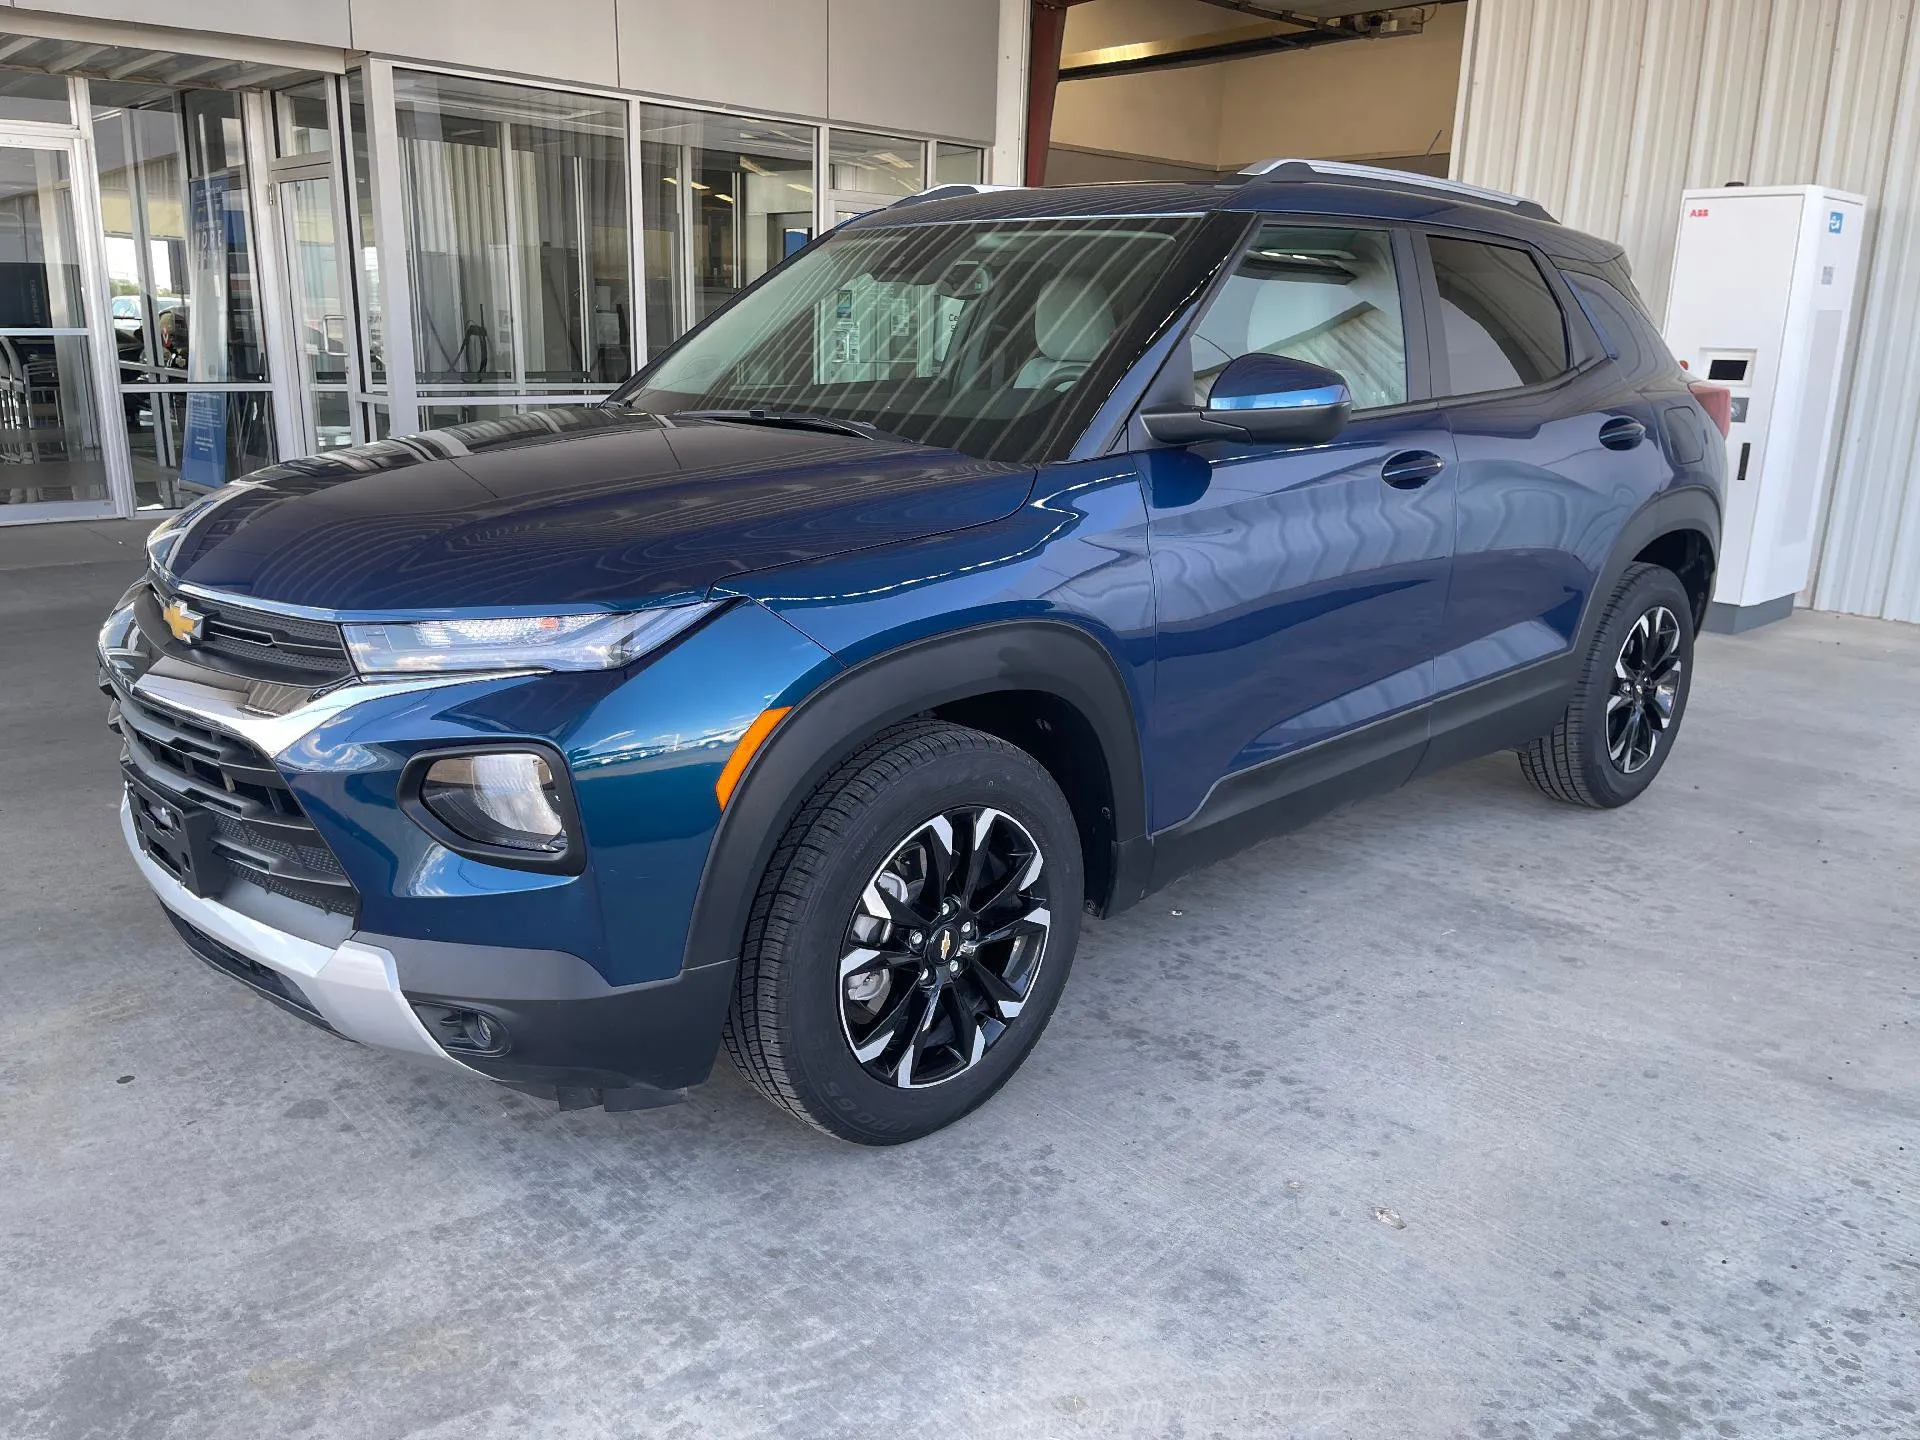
<point x="598" y="507"/>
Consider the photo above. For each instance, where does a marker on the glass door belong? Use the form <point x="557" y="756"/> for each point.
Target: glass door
<point x="51" y="461"/>
<point x="867" y="172"/>
<point x="317" y="290"/>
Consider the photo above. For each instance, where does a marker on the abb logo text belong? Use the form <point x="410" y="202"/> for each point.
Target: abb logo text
<point x="1699" y="214"/>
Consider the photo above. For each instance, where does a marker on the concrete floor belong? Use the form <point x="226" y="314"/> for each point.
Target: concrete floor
<point x="1638" y="1095"/>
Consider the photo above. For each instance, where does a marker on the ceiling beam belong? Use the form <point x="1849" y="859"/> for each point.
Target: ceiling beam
<point x="1206" y="49"/>
<point x="147" y="62"/>
<point x="75" y="57"/>
<point x="194" y="69"/>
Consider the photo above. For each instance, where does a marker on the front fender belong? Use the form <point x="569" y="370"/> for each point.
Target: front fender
<point x="1049" y="656"/>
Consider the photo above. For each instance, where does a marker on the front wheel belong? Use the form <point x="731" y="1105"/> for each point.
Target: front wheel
<point x="910" y="937"/>
<point x="1626" y="712"/>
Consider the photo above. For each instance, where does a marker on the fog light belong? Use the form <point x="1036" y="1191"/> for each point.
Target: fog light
<point x="506" y="798"/>
<point x="463" y="1031"/>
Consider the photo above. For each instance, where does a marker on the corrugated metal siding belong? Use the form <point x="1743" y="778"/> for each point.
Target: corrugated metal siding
<point x="1605" y="110"/>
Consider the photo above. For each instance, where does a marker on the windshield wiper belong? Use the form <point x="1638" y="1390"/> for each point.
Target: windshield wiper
<point x="793" y="420"/>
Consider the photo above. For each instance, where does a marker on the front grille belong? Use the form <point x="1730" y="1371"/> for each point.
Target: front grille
<point x="262" y="645"/>
<point x="259" y="829"/>
<point x="249" y="972"/>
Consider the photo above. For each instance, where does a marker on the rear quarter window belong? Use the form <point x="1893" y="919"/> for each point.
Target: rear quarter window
<point x="1622" y="325"/>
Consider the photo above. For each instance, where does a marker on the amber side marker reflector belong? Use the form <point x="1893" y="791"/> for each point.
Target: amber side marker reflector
<point x="744" y="752"/>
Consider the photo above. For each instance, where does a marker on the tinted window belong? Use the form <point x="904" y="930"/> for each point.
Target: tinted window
<point x="1327" y="296"/>
<point x="997" y="339"/>
<point x="1621" y="324"/>
<point x="1502" y="325"/>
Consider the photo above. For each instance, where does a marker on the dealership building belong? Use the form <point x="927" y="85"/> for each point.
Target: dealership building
<point x="316" y="222"/>
<point x="302" y="224"/>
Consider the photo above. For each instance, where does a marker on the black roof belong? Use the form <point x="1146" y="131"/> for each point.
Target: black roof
<point x="1291" y="188"/>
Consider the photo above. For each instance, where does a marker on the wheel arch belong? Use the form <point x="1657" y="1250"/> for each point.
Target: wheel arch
<point x="1689" y="554"/>
<point x="1047" y="686"/>
<point x="1676" y="528"/>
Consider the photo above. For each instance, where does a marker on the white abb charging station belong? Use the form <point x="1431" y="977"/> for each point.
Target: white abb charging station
<point x="1761" y="302"/>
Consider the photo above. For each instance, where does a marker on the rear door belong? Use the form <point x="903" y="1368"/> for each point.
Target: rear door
<point x="1299" y="590"/>
<point x="1556" y="448"/>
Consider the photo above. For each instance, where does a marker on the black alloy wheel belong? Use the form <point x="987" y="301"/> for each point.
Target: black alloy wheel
<point x="911" y="936"/>
<point x="1647" y="674"/>
<point x="1624" y="712"/>
<point x="944" y="947"/>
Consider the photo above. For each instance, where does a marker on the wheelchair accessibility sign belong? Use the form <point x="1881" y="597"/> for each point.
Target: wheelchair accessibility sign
<point x="1836" y="221"/>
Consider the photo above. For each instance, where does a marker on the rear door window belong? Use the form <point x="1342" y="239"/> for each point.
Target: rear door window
<point x="1502" y="326"/>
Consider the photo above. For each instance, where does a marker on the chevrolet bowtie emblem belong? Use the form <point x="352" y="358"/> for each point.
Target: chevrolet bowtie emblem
<point x="186" y="624"/>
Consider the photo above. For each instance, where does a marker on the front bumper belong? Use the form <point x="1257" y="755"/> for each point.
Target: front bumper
<point x="591" y="977"/>
<point x="571" y="1038"/>
<point x="353" y="987"/>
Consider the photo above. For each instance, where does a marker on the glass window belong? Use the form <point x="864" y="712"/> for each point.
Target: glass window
<point x="170" y="160"/>
<point x="958" y="164"/>
<point x="1622" y="325"/>
<point x="441" y="417"/>
<point x="730" y="197"/>
<point x="1325" y="296"/>
<point x="876" y="164"/>
<point x="49" y="427"/>
<point x="996" y="339"/>
<point x="180" y="268"/>
<point x="300" y="117"/>
<point x="232" y="428"/>
<point x="30" y="95"/>
<point x="516" y="219"/>
<point x="1503" y="327"/>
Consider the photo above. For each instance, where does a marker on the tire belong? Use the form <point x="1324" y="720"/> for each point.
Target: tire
<point x="816" y="947"/>
<point x="1593" y="756"/>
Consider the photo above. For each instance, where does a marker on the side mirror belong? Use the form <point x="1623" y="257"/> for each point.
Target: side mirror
<point x="1269" y="398"/>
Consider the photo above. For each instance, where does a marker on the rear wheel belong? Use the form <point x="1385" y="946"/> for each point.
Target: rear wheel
<point x="1625" y="715"/>
<point x="911" y="936"/>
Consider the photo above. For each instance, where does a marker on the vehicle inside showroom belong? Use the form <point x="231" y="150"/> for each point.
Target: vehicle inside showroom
<point x="1011" y="718"/>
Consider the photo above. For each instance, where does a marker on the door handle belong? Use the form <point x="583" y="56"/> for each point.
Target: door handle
<point x="1410" y="469"/>
<point x="1622" y="432"/>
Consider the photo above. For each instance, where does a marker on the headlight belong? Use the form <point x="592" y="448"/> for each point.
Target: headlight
<point x="506" y="798"/>
<point x="534" y="642"/>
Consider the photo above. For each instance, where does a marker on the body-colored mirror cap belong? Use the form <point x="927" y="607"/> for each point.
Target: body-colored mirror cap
<point x="1270" y="398"/>
<point x="1278" y="382"/>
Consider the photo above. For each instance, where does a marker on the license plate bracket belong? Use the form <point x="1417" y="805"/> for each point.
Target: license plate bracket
<point x="178" y="837"/>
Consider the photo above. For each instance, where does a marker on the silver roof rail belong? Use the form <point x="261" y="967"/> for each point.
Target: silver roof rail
<point x="1341" y="169"/>
<point x="949" y="190"/>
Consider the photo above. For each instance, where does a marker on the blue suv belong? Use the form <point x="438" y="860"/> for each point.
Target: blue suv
<point x="994" y="560"/>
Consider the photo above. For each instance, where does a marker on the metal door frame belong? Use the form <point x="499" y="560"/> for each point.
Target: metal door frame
<point x="76" y="140"/>
<point x="294" y="410"/>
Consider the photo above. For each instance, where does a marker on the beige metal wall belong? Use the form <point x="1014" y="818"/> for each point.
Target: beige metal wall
<point x="1604" y="110"/>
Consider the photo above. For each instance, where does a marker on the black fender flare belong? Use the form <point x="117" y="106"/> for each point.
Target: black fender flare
<point x="1051" y="656"/>
<point x="1684" y="507"/>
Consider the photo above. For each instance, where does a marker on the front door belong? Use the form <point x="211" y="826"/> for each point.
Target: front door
<point x="1299" y="591"/>
<point x="52" y="461"/>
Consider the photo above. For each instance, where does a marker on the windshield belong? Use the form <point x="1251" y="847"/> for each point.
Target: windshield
<point x="996" y="339"/>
